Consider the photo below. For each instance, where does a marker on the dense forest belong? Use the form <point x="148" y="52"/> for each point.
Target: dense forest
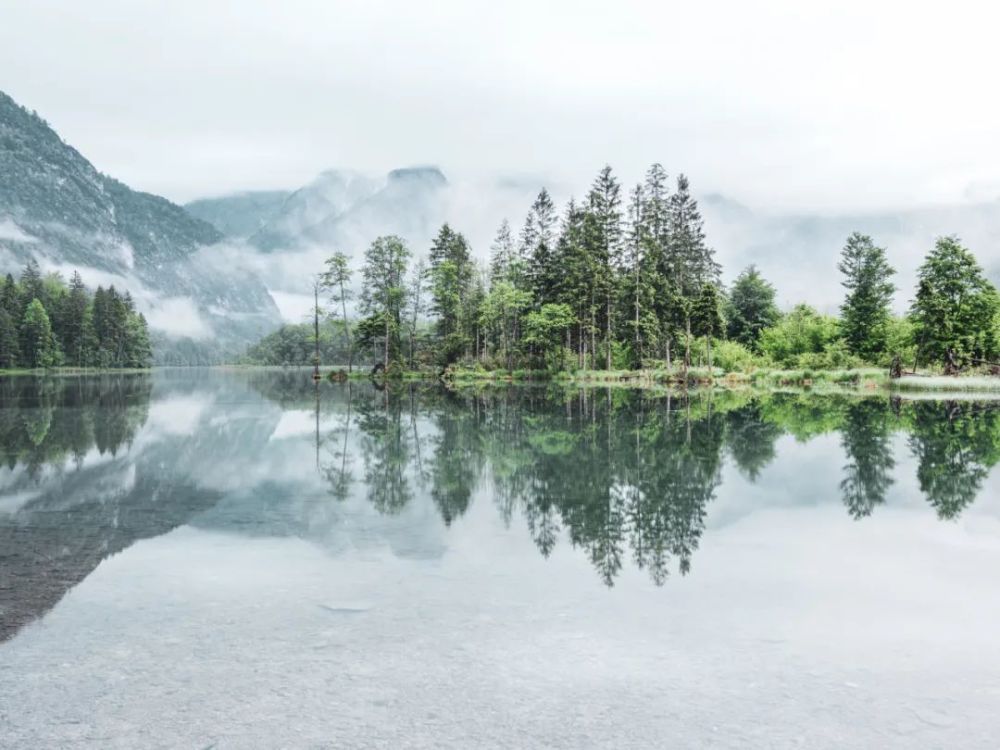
<point x="45" y="322"/>
<point x="628" y="282"/>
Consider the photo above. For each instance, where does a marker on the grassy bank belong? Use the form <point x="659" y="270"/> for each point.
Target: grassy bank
<point x="66" y="371"/>
<point x="861" y="379"/>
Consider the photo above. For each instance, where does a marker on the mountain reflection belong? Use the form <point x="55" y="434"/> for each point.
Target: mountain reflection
<point x="90" y="465"/>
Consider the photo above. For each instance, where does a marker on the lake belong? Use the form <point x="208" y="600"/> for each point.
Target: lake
<point x="235" y="559"/>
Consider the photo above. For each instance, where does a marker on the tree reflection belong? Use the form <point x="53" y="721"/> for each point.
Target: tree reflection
<point x="49" y="420"/>
<point x="866" y="439"/>
<point x="628" y="475"/>
<point x="955" y="443"/>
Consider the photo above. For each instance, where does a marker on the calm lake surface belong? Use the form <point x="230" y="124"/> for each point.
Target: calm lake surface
<point x="222" y="559"/>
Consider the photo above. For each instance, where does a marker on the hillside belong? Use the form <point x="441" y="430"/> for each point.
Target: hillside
<point x="56" y="207"/>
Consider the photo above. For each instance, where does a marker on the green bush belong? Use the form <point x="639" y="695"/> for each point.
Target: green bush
<point x="732" y="356"/>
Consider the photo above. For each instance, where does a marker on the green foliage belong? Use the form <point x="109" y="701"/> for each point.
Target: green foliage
<point x="865" y="312"/>
<point x="384" y="293"/>
<point x="955" y="310"/>
<point x="750" y="308"/>
<point x="38" y="344"/>
<point x="545" y="330"/>
<point x="800" y="339"/>
<point x="60" y="324"/>
<point x="733" y="356"/>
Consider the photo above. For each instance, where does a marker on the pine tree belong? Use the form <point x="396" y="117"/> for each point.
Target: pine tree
<point x="451" y="276"/>
<point x="32" y="285"/>
<point x="503" y="258"/>
<point x="542" y="219"/>
<point x="689" y="262"/>
<point x="73" y="320"/>
<point x="865" y="311"/>
<point x="604" y="206"/>
<point x="750" y="308"/>
<point x="706" y="317"/>
<point x="10" y="349"/>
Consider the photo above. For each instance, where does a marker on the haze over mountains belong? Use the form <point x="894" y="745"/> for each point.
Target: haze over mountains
<point x="56" y="207"/>
<point x="218" y="273"/>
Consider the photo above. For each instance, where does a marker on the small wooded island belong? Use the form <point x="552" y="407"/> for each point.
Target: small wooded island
<point x="620" y="285"/>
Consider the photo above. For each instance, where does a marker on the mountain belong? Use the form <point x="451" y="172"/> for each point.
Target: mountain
<point x="345" y="210"/>
<point x="56" y="207"/>
<point x="241" y="214"/>
<point x="339" y="207"/>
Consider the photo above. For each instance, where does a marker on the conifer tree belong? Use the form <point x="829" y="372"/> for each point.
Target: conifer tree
<point x="706" y="317"/>
<point x="751" y="307"/>
<point x="10" y="350"/>
<point x="605" y="244"/>
<point x="865" y="311"/>
<point x="450" y="275"/>
<point x="689" y="262"/>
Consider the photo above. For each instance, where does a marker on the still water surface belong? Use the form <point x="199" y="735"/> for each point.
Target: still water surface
<point x="234" y="559"/>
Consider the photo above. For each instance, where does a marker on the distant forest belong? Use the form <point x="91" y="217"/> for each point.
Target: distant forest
<point x="45" y="322"/>
<point x="626" y="282"/>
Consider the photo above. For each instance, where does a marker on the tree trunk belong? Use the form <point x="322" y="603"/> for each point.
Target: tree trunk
<point x="687" y="345"/>
<point x="607" y="332"/>
<point x="347" y="331"/>
<point x="316" y="331"/>
<point x="385" y="356"/>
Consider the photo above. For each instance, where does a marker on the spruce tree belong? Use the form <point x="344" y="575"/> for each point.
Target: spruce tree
<point x="706" y="317"/>
<point x="865" y="311"/>
<point x="750" y="308"/>
<point x="73" y="319"/>
<point x="451" y="275"/>
<point x="605" y="242"/>
<point x="689" y="262"/>
<point x="10" y="349"/>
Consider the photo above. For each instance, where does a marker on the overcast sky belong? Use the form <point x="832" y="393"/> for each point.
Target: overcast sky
<point x="815" y="106"/>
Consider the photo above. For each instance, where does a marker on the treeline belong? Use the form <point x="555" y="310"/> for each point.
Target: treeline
<point x="45" y="322"/>
<point x="295" y="344"/>
<point x="627" y="282"/>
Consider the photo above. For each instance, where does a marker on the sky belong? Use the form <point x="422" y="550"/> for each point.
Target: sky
<point x="805" y="106"/>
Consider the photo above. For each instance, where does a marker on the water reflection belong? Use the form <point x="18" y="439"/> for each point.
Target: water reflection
<point x="91" y="465"/>
<point x="629" y="474"/>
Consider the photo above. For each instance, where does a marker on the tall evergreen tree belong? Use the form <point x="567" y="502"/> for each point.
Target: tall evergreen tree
<point x="750" y="307"/>
<point x="32" y="285"/>
<point x="72" y="334"/>
<point x="865" y="311"/>
<point x="10" y="349"/>
<point x="541" y="276"/>
<point x="689" y="263"/>
<point x="451" y="275"/>
<point x="605" y="244"/>
<point x="706" y="317"/>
